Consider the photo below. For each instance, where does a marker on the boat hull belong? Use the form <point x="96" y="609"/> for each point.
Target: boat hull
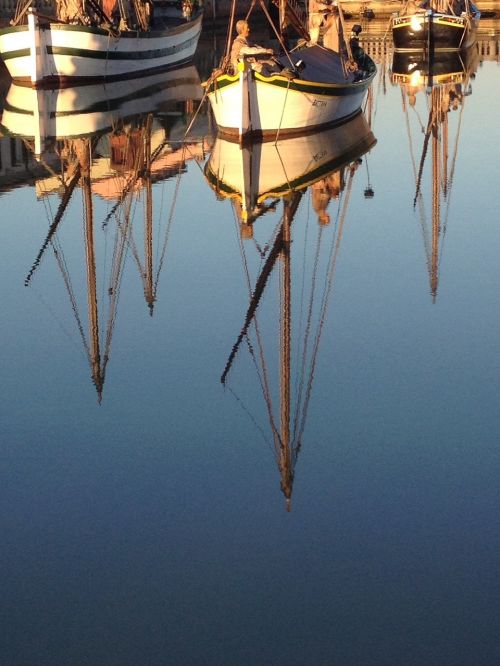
<point x="431" y="31"/>
<point x="251" y="105"/>
<point x="61" y="54"/>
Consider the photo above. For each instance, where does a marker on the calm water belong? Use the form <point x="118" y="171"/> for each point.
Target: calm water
<point x="151" y="526"/>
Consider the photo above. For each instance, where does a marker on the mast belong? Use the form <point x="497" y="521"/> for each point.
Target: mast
<point x="285" y="457"/>
<point x="436" y="178"/>
<point x="84" y="158"/>
<point x="148" y="221"/>
<point x="83" y="152"/>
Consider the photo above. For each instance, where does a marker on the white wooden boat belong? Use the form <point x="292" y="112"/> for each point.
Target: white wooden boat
<point x="44" y="115"/>
<point x="53" y="53"/>
<point x="320" y="87"/>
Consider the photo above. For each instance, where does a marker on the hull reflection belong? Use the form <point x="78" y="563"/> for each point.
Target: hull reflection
<point x="264" y="170"/>
<point x="46" y="115"/>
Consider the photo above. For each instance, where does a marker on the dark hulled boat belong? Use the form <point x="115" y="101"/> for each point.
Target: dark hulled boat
<point x="438" y="27"/>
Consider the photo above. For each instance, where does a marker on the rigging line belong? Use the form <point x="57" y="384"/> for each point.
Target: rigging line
<point x="229" y="33"/>
<point x="322" y="318"/>
<point x="61" y="262"/>
<point x="452" y="174"/>
<point x="263" y="381"/>
<point x="169" y="222"/>
<point x="55" y="316"/>
<point x="419" y="119"/>
<point x="282" y="111"/>
<point x="159" y="216"/>
<point x="118" y="263"/>
<point x="105" y="265"/>
<point x="307" y="330"/>
<point x="408" y="131"/>
<point x="278" y="36"/>
<point x="252" y="418"/>
<point x="282" y="162"/>
<point x="117" y="272"/>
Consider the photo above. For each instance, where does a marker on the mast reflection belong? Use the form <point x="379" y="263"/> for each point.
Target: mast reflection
<point x="438" y="87"/>
<point x="95" y="144"/>
<point x="259" y="179"/>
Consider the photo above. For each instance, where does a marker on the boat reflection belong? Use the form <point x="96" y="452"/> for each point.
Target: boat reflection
<point x="45" y="115"/>
<point x="112" y="174"/>
<point x="438" y="88"/>
<point x="258" y="179"/>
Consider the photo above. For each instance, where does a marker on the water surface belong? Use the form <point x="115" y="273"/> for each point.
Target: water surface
<point x="145" y="502"/>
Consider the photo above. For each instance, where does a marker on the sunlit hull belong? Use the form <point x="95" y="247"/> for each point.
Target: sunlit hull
<point x="252" y="105"/>
<point x="432" y="31"/>
<point x="62" y="54"/>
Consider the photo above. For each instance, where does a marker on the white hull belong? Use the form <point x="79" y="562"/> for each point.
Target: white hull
<point x="45" y="115"/>
<point x="266" y="169"/>
<point x="252" y="104"/>
<point x="70" y="54"/>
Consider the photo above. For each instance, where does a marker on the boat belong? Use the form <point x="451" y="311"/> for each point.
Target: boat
<point x="435" y="25"/>
<point x="267" y="183"/>
<point x="436" y="89"/>
<point x="312" y="86"/>
<point x="83" y="42"/>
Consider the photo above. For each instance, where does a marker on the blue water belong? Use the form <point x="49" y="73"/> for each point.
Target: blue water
<point x="150" y="528"/>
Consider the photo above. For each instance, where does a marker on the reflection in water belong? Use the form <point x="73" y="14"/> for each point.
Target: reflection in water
<point x="444" y="83"/>
<point x="97" y="143"/>
<point x="257" y="178"/>
<point x="84" y="110"/>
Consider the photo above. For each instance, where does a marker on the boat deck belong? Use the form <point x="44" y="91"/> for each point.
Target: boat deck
<point x="319" y="65"/>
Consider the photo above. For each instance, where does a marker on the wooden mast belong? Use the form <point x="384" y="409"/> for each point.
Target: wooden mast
<point x="285" y="454"/>
<point x="148" y="220"/>
<point x="436" y="191"/>
<point x="84" y="159"/>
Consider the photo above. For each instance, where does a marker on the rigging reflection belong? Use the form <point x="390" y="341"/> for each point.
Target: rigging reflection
<point x="258" y="178"/>
<point x="436" y="87"/>
<point x="96" y="145"/>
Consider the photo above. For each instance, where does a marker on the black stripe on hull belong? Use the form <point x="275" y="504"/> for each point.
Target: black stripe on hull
<point x="232" y="134"/>
<point x="50" y="82"/>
